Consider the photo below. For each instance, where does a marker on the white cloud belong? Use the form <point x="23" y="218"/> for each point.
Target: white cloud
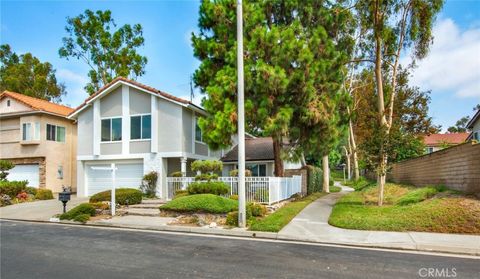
<point x="453" y="63"/>
<point x="70" y="76"/>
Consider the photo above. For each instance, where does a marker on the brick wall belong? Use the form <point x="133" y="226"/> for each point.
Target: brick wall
<point x="457" y="167"/>
<point x="304" y="173"/>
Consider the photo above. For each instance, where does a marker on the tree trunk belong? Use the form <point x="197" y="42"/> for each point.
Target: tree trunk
<point x="277" y="147"/>
<point x="347" y="155"/>
<point x="326" y="174"/>
<point x="354" y="152"/>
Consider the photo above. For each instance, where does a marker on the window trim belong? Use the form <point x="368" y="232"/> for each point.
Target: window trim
<point x="34" y="131"/>
<point x="56" y="133"/>
<point x="141" y="126"/>
<point x="195" y="132"/>
<point x="121" y="126"/>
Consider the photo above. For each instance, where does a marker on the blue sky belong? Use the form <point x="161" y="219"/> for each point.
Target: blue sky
<point x="452" y="71"/>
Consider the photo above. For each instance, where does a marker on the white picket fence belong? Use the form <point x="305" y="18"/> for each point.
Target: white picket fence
<point x="266" y="190"/>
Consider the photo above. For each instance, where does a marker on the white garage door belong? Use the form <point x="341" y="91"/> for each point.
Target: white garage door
<point x="25" y="172"/>
<point x="127" y="176"/>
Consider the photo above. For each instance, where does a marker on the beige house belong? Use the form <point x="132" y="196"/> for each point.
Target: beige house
<point x="39" y="139"/>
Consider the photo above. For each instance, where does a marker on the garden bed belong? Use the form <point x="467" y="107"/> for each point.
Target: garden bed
<point x="428" y="209"/>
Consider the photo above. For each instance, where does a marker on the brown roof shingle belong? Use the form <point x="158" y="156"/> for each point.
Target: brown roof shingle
<point x="38" y="104"/>
<point x="256" y="149"/>
<point x="135" y="83"/>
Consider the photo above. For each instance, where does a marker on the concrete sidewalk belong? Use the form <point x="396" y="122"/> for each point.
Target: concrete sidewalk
<point x="38" y="210"/>
<point x="312" y="225"/>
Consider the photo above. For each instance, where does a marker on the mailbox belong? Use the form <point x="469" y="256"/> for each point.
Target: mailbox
<point x="64" y="197"/>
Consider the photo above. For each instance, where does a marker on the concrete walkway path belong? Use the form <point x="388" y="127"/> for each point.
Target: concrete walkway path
<point x="311" y="224"/>
<point x="38" y="210"/>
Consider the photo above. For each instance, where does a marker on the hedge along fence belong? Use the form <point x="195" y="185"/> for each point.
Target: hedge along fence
<point x="314" y="180"/>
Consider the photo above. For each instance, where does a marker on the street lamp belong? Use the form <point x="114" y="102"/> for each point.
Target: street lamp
<point x="241" y="120"/>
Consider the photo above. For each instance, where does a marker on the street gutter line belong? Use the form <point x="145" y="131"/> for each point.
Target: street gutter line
<point x="285" y="241"/>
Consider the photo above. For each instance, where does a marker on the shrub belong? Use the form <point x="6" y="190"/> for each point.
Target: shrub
<point x="100" y="205"/>
<point x="232" y="217"/>
<point x="83" y="208"/>
<point x="234" y="197"/>
<point x="180" y="193"/>
<point x="22" y="196"/>
<point x="206" y="203"/>
<point x="123" y="196"/>
<point x="257" y="210"/>
<point x="12" y="188"/>
<point x="176" y="174"/>
<point x="209" y="187"/>
<point x="44" y="194"/>
<point x="235" y="172"/>
<point x="417" y="195"/>
<point x="207" y="166"/>
<point x="262" y="195"/>
<point x="82" y="218"/>
<point x="5" y="200"/>
<point x="31" y="190"/>
<point x="206" y="177"/>
<point x="149" y="184"/>
<point x="314" y="180"/>
<point x="5" y="166"/>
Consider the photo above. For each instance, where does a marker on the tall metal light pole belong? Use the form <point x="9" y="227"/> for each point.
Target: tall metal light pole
<point x="241" y="120"/>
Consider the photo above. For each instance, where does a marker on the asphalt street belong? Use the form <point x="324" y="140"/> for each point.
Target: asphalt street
<point x="40" y="250"/>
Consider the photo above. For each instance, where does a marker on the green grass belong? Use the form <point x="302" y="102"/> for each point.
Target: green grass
<point x="277" y="220"/>
<point x="416" y="209"/>
<point x="360" y="184"/>
<point x="206" y="203"/>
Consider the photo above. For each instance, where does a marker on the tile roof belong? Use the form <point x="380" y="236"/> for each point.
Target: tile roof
<point x="439" y="139"/>
<point x="134" y="83"/>
<point x="38" y="104"/>
<point x="256" y="149"/>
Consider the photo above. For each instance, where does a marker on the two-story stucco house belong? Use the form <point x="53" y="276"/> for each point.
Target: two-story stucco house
<point x="140" y="129"/>
<point x="39" y="139"/>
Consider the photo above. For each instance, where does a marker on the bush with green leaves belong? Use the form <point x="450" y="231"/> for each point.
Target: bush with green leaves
<point x="82" y="218"/>
<point x="314" y="180"/>
<point x="149" y="184"/>
<point x="44" y="194"/>
<point x="202" y="203"/>
<point x="206" y="177"/>
<point x="5" y="166"/>
<point x="207" y="166"/>
<point x="31" y="190"/>
<point x="235" y="172"/>
<point x="81" y="209"/>
<point x="232" y="217"/>
<point x="257" y="209"/>
<point x="176" y="174"/>
<point x="123" y="196"/>
<point x="208" y="187"/>
<point x="12" y="188"/>
<point x="234" y="197"/>
<point x="180" y="193"/>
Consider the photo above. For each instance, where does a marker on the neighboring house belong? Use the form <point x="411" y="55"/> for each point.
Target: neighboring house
<point x="259" y="158"/>
<point x="435" y="142"/>
<point x="140" y="129"/>
<point x="39" y="139"/>
<point x="474" y="126"/>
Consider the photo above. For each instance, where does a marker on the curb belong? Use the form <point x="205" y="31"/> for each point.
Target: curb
<point x="417" y="247"/>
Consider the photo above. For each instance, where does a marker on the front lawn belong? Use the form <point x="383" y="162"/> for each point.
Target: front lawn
<point x="277" y="220"/>
<point x="428" y="209"/>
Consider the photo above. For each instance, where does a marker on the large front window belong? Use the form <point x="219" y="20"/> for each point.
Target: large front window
<point x="257" y="169"/>
<point x="31" y="131"/>
<point x="55" y="133"/>
<point x="112" y="129"/>
<point x="140" y="127"/>
<point x="198" y="131"/>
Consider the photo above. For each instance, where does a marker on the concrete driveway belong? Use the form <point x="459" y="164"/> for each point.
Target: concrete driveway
<point x="38" y="210"/>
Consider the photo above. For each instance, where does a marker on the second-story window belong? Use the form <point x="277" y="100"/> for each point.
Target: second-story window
<point x="140" y="127"/>
<point x="55" y="133"/>
<point x="31" y="131"/>
<point x="198" y="131"/>
<point x="112" y="129"/>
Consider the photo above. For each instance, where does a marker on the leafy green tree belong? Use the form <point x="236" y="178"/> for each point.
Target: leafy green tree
<point x="388" y="28"/>
<point x="5" y="166"/>
<point x="108" y="51"/>
<point x="25" y="74"/>
<point x="460" y="125"/>
<point x="294" y="53"/>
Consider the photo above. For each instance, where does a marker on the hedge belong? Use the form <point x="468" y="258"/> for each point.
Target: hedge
<point x="202" y="203"/>
<point x="210" y="187"/>
<point x="44" y="194"/>
<point x="123" y="196"/>
<point x="12" y="188"/>
<point x="81" y="209"/>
